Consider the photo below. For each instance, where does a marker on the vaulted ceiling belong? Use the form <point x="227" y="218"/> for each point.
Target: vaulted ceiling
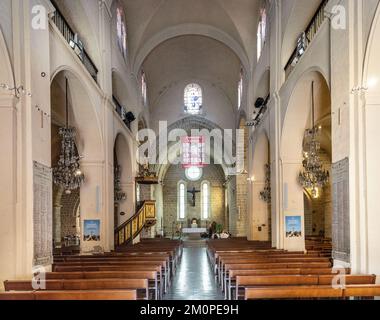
<point x="182" y="40"/>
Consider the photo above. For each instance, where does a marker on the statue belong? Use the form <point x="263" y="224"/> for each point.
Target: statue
<point x="193" y="192"/>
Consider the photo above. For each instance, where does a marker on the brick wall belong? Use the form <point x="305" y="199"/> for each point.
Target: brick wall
<point x="213" y="174"/>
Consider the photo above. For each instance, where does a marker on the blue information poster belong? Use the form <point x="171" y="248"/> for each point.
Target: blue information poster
<point x="91" y="230"/>
<point x="293" y="226"/>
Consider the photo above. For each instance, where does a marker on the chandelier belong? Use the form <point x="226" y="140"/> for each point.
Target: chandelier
<point x="265" y="195"/>
<point x="67" y="174"/>
<point x="119" y="195"/>
<point x="314" y="177"/>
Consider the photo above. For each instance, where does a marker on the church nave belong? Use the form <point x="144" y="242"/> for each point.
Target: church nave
<point x="194" y="278"/>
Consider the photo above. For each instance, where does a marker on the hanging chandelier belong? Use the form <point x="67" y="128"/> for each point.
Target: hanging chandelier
<point x="67" y="174"/>
<point x="265" y="195"/>
<point x="314" y="177"/>
<point x="119" y="195"/>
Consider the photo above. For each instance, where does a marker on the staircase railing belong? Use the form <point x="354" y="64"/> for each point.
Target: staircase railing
<point x="130" y="229"/>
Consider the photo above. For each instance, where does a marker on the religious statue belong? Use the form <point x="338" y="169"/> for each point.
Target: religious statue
<point x="193" y="192"/>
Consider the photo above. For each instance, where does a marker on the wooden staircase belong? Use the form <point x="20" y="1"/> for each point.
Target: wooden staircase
<point x="145" y="217"/>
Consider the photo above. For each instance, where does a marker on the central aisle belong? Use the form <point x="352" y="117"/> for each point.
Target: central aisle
<point x="194" y="279"/>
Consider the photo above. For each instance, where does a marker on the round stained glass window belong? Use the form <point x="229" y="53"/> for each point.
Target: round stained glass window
<point x="194" y="173"/>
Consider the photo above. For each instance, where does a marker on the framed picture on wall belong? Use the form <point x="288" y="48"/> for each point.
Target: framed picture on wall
<point x="293" y="226"/>
<point x="91" y="230"/>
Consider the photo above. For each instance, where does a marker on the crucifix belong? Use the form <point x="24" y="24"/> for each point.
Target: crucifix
<point x="193" y="192"/>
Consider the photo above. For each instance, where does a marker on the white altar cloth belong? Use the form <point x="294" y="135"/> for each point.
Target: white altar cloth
<point x="194" y="230"/>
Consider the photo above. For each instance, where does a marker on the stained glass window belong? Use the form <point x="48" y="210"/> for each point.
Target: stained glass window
<point x="193" y="99"/>
<point x="261" y="32"/>
<point x="205" y="200"/>
<point x="121" y="30"/>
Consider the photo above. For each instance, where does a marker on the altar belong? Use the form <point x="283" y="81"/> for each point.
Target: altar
<point x="194" y="233"/>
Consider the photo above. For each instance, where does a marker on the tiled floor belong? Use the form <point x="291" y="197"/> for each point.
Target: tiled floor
<point x="194" y="279"/>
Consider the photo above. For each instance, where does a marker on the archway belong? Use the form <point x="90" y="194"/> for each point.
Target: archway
<point x="369" y="114"/>
<point x="260" y="215"/>
<point x="123" y="181"/>
<point x="68" y="208"/>
<point x="297" y="119"/>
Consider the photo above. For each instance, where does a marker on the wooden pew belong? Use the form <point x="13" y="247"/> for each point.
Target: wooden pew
<point x="312" y="292"/>
<point x="121" y="262"/>
<point x="128" y="268"/>
<point x="82" y="285"/>
<point x="150" y="275"/>
<point x="299" y="280"/>
<point x="231" y="280"/>
<point x="71" y="295"/>
<point x="254" y="266"/>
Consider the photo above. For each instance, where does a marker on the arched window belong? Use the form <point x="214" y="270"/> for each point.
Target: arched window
<point x="143" y="88"/>
<point x="240" y="89"/>
<point x="193" y="99"/>
<point x="121" y="30"/>
<point x="182" y="192"/>
<point x="205" y="194"/>
<point x="261" y="32"/>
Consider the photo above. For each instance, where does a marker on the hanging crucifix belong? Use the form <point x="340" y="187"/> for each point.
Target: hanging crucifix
<point x="193" y="192"/>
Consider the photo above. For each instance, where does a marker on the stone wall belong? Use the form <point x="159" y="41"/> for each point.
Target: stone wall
<point x="214" y="175"/>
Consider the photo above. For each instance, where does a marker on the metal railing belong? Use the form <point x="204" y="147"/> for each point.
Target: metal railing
<point x="120" y="110"/>
<point x="69" y="35"/>
<point x="308" y="36"/>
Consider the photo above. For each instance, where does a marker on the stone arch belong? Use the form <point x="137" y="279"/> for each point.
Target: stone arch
<point x="123" y="158"/>
<point x="83" y="114"/>
<point x="369" y="171"/>
<point x="297" y="120"/>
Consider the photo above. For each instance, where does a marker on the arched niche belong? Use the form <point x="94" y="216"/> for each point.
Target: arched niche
<point x="260" y="211"/>
<point x="298" y="118"/>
